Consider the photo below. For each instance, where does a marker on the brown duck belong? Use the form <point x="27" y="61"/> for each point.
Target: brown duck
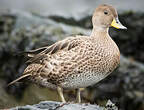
<point x="77" y="62"/>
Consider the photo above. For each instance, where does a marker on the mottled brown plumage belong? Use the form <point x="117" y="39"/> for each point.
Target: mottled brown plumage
<point x="77" y="62"/>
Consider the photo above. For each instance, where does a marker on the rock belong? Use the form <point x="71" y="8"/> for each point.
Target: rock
<point x="77" y="9"/>
<point x="51" y="105"/>
<point x="5" y="98"/>
<point x="111" y="106"/>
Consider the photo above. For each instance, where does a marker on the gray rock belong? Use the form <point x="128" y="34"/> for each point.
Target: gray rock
<point x="51" y="105"/>
<point x="77" y="8"/>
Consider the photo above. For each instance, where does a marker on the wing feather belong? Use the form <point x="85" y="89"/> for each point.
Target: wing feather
<point x="53" y="49"/>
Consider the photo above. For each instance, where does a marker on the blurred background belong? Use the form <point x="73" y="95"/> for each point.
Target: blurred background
<point x="29" y="24"/>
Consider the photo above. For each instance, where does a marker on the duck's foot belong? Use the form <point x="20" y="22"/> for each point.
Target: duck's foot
<point x="60" y="92"/>
<point x="78" y="97"/>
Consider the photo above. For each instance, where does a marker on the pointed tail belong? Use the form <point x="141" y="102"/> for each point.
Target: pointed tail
<point x="18" y="79"/>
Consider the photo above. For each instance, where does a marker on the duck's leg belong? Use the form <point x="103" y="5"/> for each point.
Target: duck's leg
<point x="78" y="97"/>
<point x="60" y="92"/>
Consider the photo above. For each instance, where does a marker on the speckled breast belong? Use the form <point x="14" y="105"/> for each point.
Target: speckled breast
<point x="93" y="71"/>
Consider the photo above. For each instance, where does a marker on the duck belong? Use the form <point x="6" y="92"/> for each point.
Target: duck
<point x="77" y="61"/>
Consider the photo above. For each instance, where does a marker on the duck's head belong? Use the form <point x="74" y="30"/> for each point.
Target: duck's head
<point x="106" y="16"/>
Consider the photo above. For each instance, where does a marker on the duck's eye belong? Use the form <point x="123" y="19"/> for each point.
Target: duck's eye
<point x="105" y="12"/>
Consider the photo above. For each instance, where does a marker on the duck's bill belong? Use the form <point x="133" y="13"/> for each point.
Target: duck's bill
<point x="116" y="23"/>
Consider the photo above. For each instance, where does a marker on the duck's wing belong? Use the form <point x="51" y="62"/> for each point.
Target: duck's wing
<point x="18" y="79"/>
<point x="32" y="53"/>
<point x="67" y="44"/>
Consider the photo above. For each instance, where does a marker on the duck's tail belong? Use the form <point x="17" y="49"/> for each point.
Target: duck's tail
<point x="18" y="79"/>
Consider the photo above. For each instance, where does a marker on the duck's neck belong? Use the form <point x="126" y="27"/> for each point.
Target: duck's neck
<point x="99" y="32"/>
<point x="101" y="37"/>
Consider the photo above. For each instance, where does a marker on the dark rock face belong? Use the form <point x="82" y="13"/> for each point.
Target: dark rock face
<point x="21" y="31"/>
